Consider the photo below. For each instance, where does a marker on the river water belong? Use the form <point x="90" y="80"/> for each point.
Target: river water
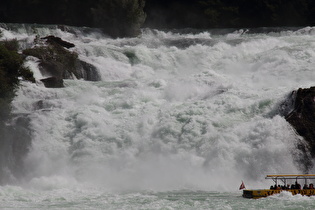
<point x="177" y="121"/>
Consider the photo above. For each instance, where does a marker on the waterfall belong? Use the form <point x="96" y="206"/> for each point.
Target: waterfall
<point x="172" y="110"/>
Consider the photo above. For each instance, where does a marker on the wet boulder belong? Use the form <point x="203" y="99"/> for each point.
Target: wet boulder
<point x="52" y="82"/>
<point x="58" y="41"/>
<point x="57" y="63"/>
<point x="302" y="115"/>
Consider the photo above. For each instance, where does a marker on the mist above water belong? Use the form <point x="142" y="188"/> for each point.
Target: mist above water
<point x="173" y="110"/>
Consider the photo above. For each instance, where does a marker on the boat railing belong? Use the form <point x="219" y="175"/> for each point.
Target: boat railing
<point x="296" y="177"/>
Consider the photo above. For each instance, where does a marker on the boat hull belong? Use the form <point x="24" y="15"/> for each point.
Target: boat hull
<point x="264" y="193"/>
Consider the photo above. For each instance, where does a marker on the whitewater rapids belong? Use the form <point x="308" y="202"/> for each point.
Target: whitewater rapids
<point x="173" y="111"/>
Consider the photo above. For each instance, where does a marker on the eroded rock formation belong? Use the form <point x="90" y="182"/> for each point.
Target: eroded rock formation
<point x="299" y="111"/>
<point x="58" y="63"/>
<point x="302" y="117"/>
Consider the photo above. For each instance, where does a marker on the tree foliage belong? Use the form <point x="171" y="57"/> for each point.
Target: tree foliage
<point x="15" y="139"/>
<point x="11" y="68"/>
<point x="119" y="17"/>
<point x="257" y="13"/>
<point x="229" y="13"/>
<point x="116" y="17"/>
<point x="125" y="17"/>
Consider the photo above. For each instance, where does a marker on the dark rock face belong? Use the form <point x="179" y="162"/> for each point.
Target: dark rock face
<point x="53" y="82"/>
<point x="57" y="63"/>
<point x="302" y="118"/>
<point x="58" y="41"/>
<point x="299" y="111"/>
<point x="88" y="71"/>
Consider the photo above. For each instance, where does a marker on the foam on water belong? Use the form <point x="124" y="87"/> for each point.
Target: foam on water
<point x="173" y="111"/>
<point x="75" y="198"/>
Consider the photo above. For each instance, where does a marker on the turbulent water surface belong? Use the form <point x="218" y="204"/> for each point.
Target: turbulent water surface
<point x="176" y="122"/>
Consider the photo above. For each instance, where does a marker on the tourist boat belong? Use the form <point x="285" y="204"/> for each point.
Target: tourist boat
<point x="295" y="188"/>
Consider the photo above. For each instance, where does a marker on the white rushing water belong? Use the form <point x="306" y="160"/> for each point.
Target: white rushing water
<point x="177" y="121"/>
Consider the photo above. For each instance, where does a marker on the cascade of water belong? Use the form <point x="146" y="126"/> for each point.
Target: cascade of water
<point x="172" y="110"/>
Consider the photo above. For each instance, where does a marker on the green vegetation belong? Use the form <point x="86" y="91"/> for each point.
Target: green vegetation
<point x="117" y="18"/>
<point x="14" y="139"/>
<point x="11" y="69"/>
<point x="229" y="13"/>
<point x="120" y="18"/>
<point x="253" y="13"/>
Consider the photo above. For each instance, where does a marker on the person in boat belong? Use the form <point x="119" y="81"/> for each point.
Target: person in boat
<point x="311" y="186"/>
<point x="297" y="185"/>
<point x="305" y="187"/>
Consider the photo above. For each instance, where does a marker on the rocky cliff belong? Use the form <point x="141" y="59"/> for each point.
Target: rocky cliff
<point x="302" y="117"/>
<point x="299" y="111"/>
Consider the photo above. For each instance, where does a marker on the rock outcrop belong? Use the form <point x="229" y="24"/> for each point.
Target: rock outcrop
<point x="299" y="111"/>
<point x="58" y="63"/>
<point x="52" y="82"/>
<point x="58" y="41"/>
<point x="302" y="117"/>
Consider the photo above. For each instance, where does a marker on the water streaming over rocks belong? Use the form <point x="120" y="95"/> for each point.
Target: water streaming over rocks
<point x="196" y="111"/>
